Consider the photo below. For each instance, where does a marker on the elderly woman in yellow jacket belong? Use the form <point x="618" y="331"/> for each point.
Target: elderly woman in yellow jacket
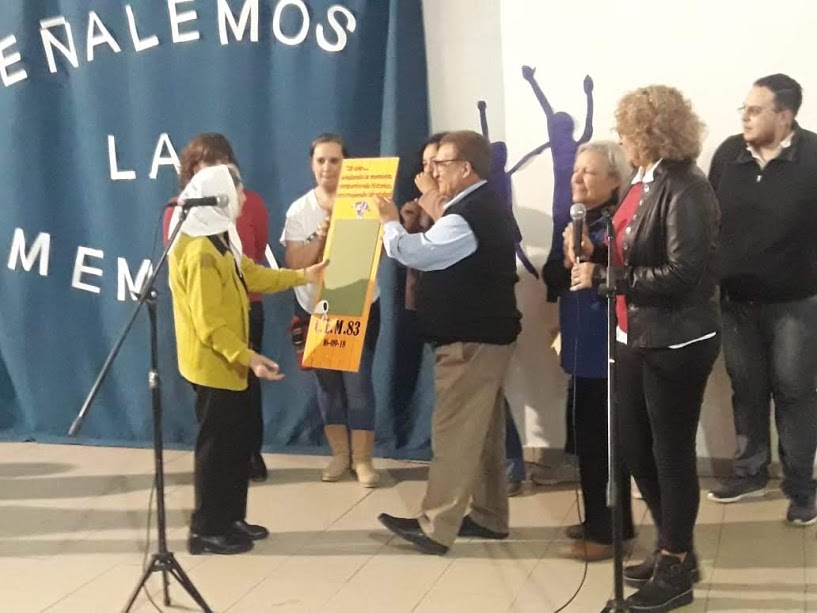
<point x="209" y="279"/>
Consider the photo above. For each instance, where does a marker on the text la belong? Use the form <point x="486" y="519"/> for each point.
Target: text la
<point x="163" y="155"/>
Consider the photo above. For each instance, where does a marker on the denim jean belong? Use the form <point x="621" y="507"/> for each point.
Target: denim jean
<point x="347" y="398"/>
<point x="771" y="355"/>
<point x="515" y="461"/>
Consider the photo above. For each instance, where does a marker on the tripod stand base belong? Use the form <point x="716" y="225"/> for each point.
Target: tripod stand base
<point x="166" y="563"/>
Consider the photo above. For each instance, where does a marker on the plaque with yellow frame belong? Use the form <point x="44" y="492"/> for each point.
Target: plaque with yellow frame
<point x="337" y="327"/>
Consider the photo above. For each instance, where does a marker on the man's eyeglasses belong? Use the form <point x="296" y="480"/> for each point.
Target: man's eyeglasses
<point x="754" y="111"/>
<point x="440" y="164"/>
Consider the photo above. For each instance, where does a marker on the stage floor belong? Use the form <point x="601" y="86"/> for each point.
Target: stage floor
<point x="74" y="526"/>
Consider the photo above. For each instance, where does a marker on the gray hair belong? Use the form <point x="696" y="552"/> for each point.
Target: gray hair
<point x="617" y="164"/>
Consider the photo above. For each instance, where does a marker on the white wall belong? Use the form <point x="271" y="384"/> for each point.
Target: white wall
<point x="712" y="51"/>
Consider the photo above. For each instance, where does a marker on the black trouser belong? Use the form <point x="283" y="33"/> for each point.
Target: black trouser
<point x="591" y="448"/>
<point x="771" y="354"/>
<point x="222" y="459"/>
<point x="253" y="384"/>
<point x="659" y="394"/>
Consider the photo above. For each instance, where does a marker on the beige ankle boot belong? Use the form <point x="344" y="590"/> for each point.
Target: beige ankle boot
<point x="362" y="448"/>
<point x="338" y="439"/>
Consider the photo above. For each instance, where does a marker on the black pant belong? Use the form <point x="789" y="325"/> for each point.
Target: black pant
<point x="591" y="448"/>
<point x="771" y="353"/>
<point x="659" y="394"/>
<point x="253" y="384"/>
<point x="222" y="459"/>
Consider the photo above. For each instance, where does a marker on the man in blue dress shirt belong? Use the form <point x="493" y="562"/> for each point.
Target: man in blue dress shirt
<point x="466" y="308"/>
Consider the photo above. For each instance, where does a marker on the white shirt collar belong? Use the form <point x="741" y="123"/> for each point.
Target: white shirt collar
<point x="464" y="193"/>
<point x="646" y="175"/>
<point x="784" y="144"/>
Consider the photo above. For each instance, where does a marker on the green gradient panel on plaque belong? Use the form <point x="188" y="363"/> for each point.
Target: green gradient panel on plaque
<point x="346" y="279"/>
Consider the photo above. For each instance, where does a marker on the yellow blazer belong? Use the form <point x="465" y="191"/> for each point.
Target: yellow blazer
<point x="211" y="309"/>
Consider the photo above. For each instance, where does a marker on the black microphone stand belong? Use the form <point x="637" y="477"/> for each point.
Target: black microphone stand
<point x="163" y="560"/>
<point x="614" y="485"/>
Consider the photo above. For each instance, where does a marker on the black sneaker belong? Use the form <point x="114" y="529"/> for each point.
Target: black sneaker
<point x="669" y="588"/>
<point x="735" y="489"/>
<point x="802" y="512"/>
<point x="637" y="575"/>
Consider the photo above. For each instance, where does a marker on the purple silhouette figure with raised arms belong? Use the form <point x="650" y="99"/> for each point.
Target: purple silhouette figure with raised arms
<point x="563" y="147"/>
<point x="500" y="181"/>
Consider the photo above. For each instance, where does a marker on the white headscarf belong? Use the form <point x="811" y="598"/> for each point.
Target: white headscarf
<point x="211" y="220"/>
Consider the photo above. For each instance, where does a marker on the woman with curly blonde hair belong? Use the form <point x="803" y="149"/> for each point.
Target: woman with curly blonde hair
<point x="666" y="233"/>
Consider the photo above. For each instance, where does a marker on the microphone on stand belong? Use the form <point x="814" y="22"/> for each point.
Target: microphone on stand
<point x="578" y="213"/>
<point x="219" y="200"/>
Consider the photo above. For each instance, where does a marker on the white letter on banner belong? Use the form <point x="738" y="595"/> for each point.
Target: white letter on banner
<point x="80" y="268"/>
<point x="6" y="62"/>
<point x="169" y="160"/>
<point x="140" y="44"/>
<point x="177" y="18"/>
<point x="103" y="37"/>
<point x="50" y="42"/>
<point x="127" y="286"/>
<point x="116" y="174"/>
<point x="276" y="23"/>
<point x="40" y="249"/>
<point x="249" y="12"/>
<point x="351" y="24"/>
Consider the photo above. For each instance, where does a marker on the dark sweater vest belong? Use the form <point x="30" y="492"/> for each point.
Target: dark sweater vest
<point x="768" y="249"/>
<point x="473" y="301"/>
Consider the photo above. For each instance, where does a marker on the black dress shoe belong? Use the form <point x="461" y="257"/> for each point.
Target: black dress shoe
<point x="472" y="529"/>
<point x="252" y="532"/>
<point x="258" y="469"/>
<point x="409" y="529"/>
<point x="637" y="575"/>
<point x="223" y="544"/>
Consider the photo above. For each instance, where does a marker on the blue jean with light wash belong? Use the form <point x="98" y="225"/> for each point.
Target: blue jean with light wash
<point x="514" y="462"/>
<point x="347" y="398"/>
<point x="771" y="355"/>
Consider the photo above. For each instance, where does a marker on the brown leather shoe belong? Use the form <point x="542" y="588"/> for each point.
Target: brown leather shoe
<point x="589" y="551"/>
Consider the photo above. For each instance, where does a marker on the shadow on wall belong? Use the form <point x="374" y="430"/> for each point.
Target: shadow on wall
<point x="535" y="383"/>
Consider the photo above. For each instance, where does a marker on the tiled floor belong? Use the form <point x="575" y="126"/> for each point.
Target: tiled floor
<point x="73" y="528"/>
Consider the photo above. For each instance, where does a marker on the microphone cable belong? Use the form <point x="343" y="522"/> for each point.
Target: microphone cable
<point x="577" y="472"/>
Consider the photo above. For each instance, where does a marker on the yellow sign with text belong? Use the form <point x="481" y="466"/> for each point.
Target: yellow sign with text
<point x="337" y="328"/>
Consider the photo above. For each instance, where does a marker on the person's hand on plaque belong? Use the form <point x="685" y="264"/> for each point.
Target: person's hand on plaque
<point x="313" y="273"/>
<point x="387" y="210"/>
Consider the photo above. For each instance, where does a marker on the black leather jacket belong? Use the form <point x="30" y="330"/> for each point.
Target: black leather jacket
<point x="668" y="275"/>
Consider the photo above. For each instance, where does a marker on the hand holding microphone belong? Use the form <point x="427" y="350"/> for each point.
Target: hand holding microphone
<point x="577" y="244"/>
<point x="578" y="248"/>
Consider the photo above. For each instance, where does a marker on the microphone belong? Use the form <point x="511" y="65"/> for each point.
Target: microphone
<point x="220" y="200"/>
<point x="577" y="213"/>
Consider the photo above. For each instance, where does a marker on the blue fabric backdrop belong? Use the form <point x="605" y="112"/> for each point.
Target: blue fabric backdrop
<point x="60" y="123"/>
